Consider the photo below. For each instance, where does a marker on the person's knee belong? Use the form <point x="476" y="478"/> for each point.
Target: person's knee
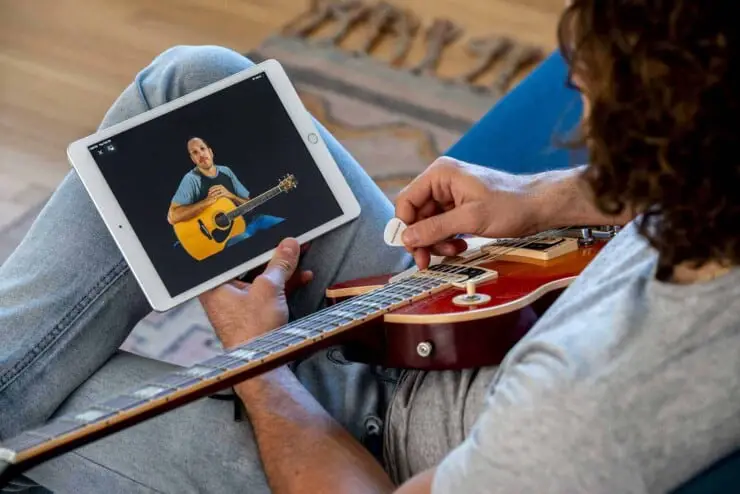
<point x="185" y="68"/>
<point x="209" y="59"/>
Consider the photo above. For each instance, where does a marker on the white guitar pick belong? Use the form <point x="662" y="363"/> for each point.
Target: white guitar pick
<point x="393" y="231"/>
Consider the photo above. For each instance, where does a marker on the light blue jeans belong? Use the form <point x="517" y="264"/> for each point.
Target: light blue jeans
<point x="67" y="305"/>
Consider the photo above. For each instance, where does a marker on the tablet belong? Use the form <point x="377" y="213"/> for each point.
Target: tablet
<point x="202" y="189"/>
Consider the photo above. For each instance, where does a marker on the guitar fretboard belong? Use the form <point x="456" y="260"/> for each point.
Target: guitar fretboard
<point x="257" y="201"/>
<point x="184" y="385"/>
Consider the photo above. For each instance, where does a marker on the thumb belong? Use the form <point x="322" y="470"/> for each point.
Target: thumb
<point x="439" y="227"/>
<point x="283" y="263"/>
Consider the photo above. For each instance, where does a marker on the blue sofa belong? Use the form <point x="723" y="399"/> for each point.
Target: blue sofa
<point x="520" y="134"/>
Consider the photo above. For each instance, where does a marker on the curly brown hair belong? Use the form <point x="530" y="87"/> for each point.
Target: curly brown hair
<point x="662" y="80"/>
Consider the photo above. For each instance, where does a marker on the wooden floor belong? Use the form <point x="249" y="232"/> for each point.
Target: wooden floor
<point x="63" y="62"/>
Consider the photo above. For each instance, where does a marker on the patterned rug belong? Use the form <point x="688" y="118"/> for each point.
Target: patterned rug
<point x="395" y="120"/>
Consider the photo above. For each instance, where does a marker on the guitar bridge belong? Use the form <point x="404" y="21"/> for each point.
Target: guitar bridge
<point x="204" y="230"/>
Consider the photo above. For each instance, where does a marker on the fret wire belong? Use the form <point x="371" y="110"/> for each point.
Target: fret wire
<point x="333" y="317"/>
<point x="349" y="315"/>
<point x="130" y="399"/>
<point x="388" y="295"/>
<point x="427" y="284"/>
<point x="403" y="289"/>
<point x="292" y="333"/>
<point x="320" y="317"/>
<point x="346" y="313"/>
<point x="393" y="296"/>
<point x="358" y="307"/>
<point x="369" y="304"/>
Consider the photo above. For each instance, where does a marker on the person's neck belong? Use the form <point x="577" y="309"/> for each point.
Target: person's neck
<point x="211" y="172"/>
<point x="686" y="273"/>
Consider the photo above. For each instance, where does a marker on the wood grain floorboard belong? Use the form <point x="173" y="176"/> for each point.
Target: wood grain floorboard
<point x="63" y="62"/>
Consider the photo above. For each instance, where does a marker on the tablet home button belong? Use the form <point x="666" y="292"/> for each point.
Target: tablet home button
<point x="313" y="138"/>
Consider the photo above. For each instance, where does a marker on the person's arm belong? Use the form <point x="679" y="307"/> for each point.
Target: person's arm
<point x="452" y="197"/>
<point x="183" y="206"/>
<point x="303" y="449"/>
<point x="178" y="213"/>
<point x="565" y="199"/>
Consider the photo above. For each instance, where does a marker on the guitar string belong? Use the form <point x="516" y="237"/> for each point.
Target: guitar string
<point x="510" y="247"/>
<point x="278" y="189"/>
<point x="412" y="283"/>
<point x="256" y="202"/>
<point x="269" y="342"/>
<point x="316" y="315"/>
<point x="529" y="240"/>
<point x="272" y="344"/>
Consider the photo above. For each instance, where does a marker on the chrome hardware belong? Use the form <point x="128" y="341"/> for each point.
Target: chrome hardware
<point x="584" y="233"/>
<point x="605" y="232"/>
<point x="587" y="237"/>
<point x="424" y="349"/>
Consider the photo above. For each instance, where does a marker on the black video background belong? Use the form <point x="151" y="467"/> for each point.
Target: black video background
<point x="249" y="132"/>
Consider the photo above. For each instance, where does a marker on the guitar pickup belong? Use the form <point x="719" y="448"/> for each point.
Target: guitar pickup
<point x="487" y="275"/>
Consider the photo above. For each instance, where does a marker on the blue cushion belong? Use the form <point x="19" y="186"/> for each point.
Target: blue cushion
<point x="519" y="134"/>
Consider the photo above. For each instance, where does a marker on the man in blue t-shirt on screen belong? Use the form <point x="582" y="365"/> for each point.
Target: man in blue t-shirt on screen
<point x="205" y="184"/>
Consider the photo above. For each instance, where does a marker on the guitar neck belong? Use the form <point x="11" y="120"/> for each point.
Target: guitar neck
<point x="257" y="356"/>
<point x="253" y="203"/>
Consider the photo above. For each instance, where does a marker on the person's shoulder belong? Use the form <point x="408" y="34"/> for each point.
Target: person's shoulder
<point x="224" y="169"/>
<point x="192" y="176"/>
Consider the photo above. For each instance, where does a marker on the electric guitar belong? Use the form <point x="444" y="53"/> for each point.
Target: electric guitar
<point x="207" y="233"/>
<point x="466" y="311"/>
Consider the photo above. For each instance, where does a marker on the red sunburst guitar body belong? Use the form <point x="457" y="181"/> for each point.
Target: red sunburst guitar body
<point x="445" y="332"/>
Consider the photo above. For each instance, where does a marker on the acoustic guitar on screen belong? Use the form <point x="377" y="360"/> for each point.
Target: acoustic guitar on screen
<point x="209" y="232"/>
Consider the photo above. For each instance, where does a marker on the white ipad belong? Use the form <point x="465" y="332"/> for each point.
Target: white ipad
<point x="202" y="189"/>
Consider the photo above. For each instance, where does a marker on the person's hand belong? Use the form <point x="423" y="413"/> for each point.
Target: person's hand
<point x="218" y="191"/>
<point x="452" y="197"/>
<point x="241" y="311"/>
<point x="210" y="200"/>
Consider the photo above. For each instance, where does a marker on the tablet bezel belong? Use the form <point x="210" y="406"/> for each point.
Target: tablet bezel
<point x="115" y="219"/>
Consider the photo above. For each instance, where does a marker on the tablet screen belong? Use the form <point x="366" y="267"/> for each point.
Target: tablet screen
<point x="215" y="183"/>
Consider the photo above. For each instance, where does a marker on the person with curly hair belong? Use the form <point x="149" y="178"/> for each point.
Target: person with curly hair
<point x="627" y="384"/>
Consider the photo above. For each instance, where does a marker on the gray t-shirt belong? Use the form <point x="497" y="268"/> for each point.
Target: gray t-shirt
<point x="627" y="384"/>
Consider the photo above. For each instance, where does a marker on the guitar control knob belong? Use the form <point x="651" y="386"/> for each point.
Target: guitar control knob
<point x="587" y="237"/>
<point x="471" y="297"/>
<point x="424" y="349"/>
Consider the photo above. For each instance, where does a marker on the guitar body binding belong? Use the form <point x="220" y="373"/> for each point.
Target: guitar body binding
<point x="458" y="336"/>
